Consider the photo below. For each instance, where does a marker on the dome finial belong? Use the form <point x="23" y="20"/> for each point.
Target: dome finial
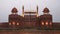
<point x="46" y="10"/>
<point x="14" y="10"/>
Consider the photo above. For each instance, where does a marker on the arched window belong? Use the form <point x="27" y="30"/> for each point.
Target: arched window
<point x="42" y="23"/>
<point x="17" y="23"/>
<point x="9" y="23"/>
<point x="50" y="23"/>
<point x="13" y="23"/>
<point x="46" y="23"/>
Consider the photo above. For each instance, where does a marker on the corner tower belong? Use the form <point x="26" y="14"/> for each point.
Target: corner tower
<point x="46" y="19"/>
<point x="14" y="17"/>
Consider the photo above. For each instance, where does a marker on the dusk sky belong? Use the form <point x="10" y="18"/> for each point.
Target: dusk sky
<point x="7" y="5"/>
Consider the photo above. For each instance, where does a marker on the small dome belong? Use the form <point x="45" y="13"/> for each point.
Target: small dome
<point x="46" y="10"/>
<point x="14" y="10"/>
